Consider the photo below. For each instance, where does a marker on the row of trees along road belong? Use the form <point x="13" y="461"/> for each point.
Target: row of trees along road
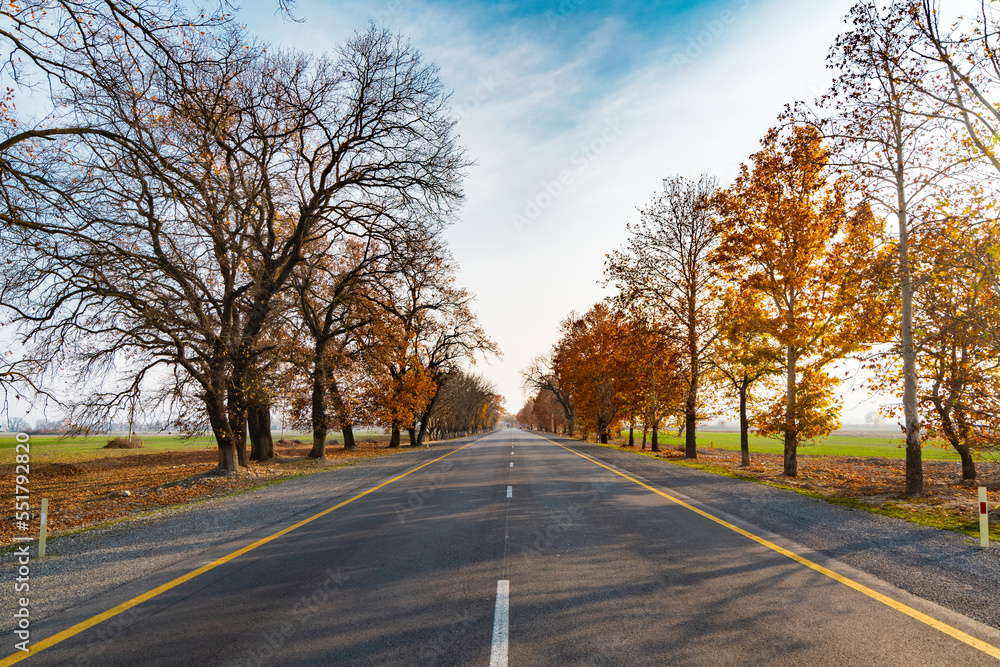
<point x="863" y="229"/>
<point x="215" y="226"/>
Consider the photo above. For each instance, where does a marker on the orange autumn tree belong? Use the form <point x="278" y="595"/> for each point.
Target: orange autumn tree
<point x="652" y="378"/>
<point x="789" y="236"/>
<point x="397" y="386"/>
<point x="588" y="365"/>
<point x="744" y="355"/>
<point x="956" y="321"/>
<point x="427" y="329"/>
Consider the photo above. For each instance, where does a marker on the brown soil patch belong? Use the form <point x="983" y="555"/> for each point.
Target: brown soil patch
<point x="86" y="493"/>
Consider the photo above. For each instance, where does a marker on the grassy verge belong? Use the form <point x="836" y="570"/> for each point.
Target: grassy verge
<point x="922" y="511"/>
<point x="834" y="445"/>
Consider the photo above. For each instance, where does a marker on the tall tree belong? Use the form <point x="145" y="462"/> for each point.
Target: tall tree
<point x="956" y="320"/>
<point x="789" y="234"/>
<point x="431" y="329"/>
<point x="331" y="306"/>
<point x="889" y="137"/>
<point x="651" y="372"/>
<point x="664" y="271"/>
<point x="454" y="337"/>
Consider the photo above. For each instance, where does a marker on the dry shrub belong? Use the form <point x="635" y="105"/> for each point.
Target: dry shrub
<point x="123" y="443"/>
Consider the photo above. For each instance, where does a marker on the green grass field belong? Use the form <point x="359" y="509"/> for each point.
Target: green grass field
<point x="54" y="448"/>
<point x="834" y="445"/>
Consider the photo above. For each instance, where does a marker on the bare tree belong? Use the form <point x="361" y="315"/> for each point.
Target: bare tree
<point x="465" y="404"/>
<point x="541" y="377"/>
<point x="663" y="270"/>
<point x="890" y="137"/>
<point x="234" y="163"/>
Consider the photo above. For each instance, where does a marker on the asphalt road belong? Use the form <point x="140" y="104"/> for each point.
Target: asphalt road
<point x="601" y="570"/>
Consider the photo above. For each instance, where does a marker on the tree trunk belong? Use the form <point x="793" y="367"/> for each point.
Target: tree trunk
<point x="318" y="450"/>
<point x="412" y="430"/>
<point x="604" y="437"/>
<point x="422" y="434"/>
<point x="957" y="438"/>
<point x="348" y="431"/>
<point x="911" y="418"/>
<point x="691" y="404"/>
<point x="343" y="415"/>
<point x="425" y="418"/>
<point x="394" y="436"/>
<point x="221" y="428"/>
<point x="654" y="442"/>
<point x="968" y="463"/>
<point x="645" y="431"/>
<point x="791" y="436"/>
<point x="320" y="425"/>
<point x="631" y="434"/>
<point x="240" y="433"/>
<point x="744" y="427"/>
<point x="259" y="424"/>
<point x="236" y="407"/>
<point x="227" y="456"/>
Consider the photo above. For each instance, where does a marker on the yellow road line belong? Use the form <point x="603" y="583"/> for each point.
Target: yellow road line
<point x="988" y="649"/>
<point x="148" y="595"/>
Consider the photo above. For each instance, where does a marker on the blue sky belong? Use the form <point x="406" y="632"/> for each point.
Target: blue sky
<point x="575" y="111"/>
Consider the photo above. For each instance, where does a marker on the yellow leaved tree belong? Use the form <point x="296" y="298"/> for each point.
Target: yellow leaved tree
<point x="790" y="237"/>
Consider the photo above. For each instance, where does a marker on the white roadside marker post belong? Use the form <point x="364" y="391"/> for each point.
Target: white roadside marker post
<point x="42" y="530"/>
<point x="984" y="520"/>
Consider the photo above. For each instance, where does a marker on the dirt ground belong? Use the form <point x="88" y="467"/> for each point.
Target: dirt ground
<point x="88" y="493"/>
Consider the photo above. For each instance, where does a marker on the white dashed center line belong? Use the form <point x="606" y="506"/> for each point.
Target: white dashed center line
<point x="498" y="652"/>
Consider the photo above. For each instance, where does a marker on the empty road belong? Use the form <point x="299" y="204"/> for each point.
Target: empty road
<point x="516" y="550"/>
